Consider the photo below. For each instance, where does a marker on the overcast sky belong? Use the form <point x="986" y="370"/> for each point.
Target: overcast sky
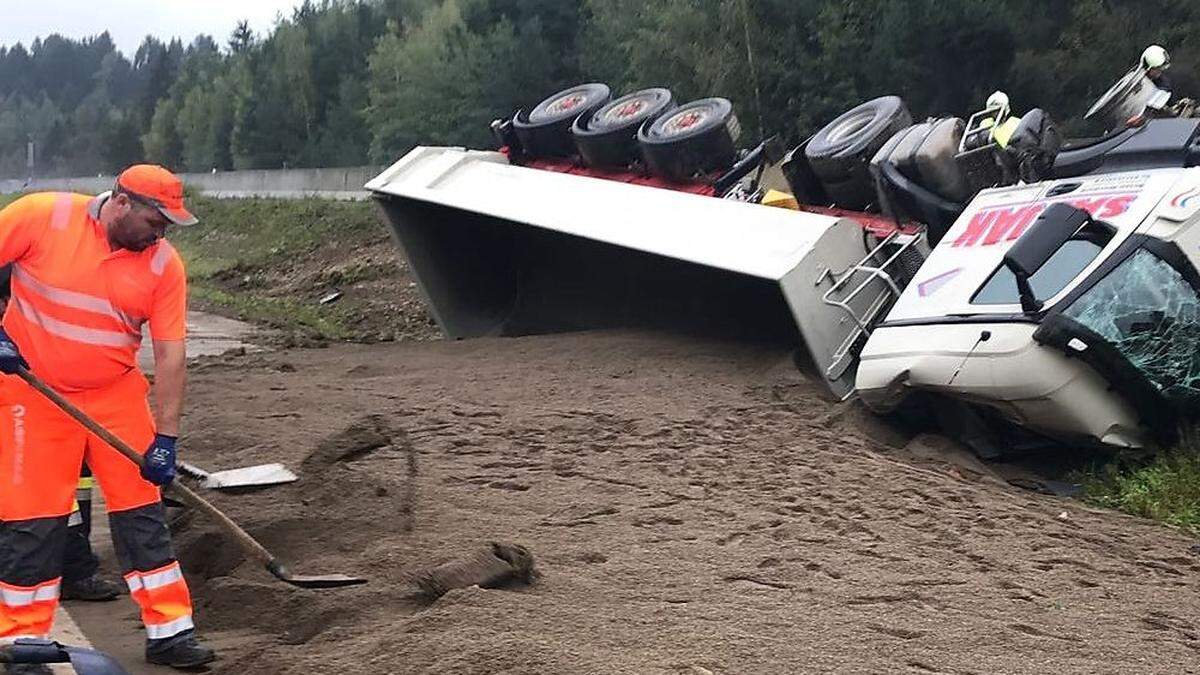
<point x="129" y="21"/>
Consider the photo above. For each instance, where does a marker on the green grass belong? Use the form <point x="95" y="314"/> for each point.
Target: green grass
<point x="276" y="312"/>
<point x="1163" y="487"/>
<point x="237" y="235"/>
<point x="241" y="254"/>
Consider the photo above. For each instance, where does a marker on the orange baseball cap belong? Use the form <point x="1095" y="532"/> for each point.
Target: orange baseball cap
<point x="155" y="186"/>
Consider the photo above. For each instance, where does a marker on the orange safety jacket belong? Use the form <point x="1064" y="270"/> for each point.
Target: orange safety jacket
<point x="77" y="306"/>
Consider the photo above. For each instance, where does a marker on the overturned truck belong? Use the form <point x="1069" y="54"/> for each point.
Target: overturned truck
<point x="1067" y="307"/>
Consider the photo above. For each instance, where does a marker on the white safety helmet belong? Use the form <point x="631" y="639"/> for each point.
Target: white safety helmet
<point x="998" y="100"/>
<point x="1155" y="57"/>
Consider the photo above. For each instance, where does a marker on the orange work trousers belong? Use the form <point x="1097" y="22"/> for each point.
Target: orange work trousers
<point x="41" y="452"/>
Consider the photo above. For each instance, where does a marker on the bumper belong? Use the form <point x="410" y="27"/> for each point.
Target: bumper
<point x="1030" y="385"/>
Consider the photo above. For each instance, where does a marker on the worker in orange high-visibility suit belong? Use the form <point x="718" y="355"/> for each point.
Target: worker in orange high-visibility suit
<point x="87" y="273"/>
<point x="81" y="579"/>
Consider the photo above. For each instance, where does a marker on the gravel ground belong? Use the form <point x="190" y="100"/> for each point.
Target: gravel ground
<point x="693" y="507"/>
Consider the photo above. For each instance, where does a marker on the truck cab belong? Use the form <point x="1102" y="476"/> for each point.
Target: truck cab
<point x="1080" y="322"/>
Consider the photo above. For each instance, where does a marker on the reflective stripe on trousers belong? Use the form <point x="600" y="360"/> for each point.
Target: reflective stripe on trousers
<point x="28" y="611"/>
<point x="19" y="596"/>
<point x="163" y="596"/>
<point x="169" y="629"/>
<point x="83" y="491"/>
<point x="83" y="500"/>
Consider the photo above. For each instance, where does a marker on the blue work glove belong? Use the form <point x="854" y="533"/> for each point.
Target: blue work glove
<point x="10" y="357"/>
<point x="158" y="464"/>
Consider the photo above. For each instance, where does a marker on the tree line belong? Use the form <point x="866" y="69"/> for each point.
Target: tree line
<point x="344" y="82"/>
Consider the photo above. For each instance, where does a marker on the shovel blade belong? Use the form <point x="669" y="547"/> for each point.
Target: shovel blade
<point x="249" y="476"/>
<point x="323" y="580"/>
<point x="282" y="572"/>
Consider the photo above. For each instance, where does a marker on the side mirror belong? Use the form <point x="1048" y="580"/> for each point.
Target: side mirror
<point x="1052" y="229"/>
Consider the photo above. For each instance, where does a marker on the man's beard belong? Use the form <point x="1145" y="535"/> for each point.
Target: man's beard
<point x="129" y="241"/>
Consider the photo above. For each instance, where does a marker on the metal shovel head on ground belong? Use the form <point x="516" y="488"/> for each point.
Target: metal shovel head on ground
<point x="248" y="544"/>
<point x="260" y="475"/>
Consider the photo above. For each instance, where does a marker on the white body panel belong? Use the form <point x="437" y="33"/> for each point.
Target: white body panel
<point x="1029" y="385"/>
<point x="734" y="236"/>
<point x="974" y="247"/>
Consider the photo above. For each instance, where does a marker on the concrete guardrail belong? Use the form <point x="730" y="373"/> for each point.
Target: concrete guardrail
<point x="335" y="183"/>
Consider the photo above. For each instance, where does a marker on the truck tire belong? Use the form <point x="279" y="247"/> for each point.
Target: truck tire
<point x="696" y="138"/>
<point x="847" y="194"/>
<point x="545" y="131"/>
<point x="608" y="137"/>
<point x="840" y="153"/>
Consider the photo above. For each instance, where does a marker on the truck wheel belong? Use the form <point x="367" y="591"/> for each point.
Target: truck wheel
<point x="608" y="137"/>
<point x="848" y="194"/>
<point x="841" y="151"/>
<point x="545" y="131"/>
<point x="695" y="138"/>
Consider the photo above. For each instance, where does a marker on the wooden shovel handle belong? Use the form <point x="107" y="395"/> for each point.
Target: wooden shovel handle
<point x="185" y="495"/>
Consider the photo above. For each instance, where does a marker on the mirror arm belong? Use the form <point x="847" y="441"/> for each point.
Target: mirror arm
<point x="1029" y="302"/>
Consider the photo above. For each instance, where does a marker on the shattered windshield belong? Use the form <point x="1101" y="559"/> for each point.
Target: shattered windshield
<point x="1149" y="312"/>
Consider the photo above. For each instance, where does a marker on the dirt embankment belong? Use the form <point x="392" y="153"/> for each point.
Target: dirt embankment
<point x="694" y="507"/>
<point x="314" y="270"/>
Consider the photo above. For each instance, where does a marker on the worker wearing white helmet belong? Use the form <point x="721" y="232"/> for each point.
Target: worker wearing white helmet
<point x="1155" y="62"/>
<point x="1002" y="124"/>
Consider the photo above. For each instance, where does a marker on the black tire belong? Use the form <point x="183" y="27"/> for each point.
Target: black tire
<point x="852" y="193"/>
<point x="841" y="151"/>
<point x="545" y="131"/>
<point x="800" y="178"/>
<point x="608" y="137"/>
<point x="694" y="139"/>
<point x="1034" y="145"/>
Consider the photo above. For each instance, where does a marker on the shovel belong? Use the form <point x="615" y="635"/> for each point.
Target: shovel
<point x="247" y="543"/>
<point x="261" y="475"/>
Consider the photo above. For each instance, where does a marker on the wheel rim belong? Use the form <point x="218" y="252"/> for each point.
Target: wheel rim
<point x="565" y="103"/>
<point x="1110" y="97"/>
<point x="850" y="127"/>
<point x="685" y="121"/>
<point x="627" y="111"/>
